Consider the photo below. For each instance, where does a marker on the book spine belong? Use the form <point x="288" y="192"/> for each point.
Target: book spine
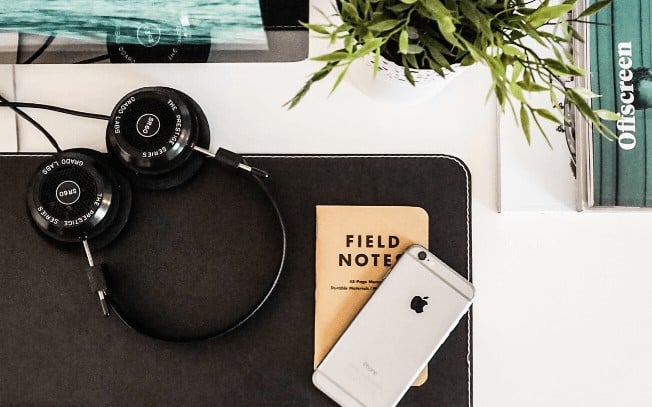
<point x="605" y="70"/>
<point x="646" y="43"/>
<point x="596" y="103"/>
<point x="631" y="136"/>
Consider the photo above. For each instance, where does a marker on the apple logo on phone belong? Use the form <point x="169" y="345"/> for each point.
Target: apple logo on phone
<point x="418" y="303"/>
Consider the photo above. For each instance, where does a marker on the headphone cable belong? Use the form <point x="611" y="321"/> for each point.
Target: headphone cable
<point x="15" y="106"/>
<point x="40" y="51"/>
<point x="57" y="109"/>
<point x="94" y="59"/>
<point x="34" y="123"/>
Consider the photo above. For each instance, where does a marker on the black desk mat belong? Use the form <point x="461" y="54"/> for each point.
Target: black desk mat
<point x="196" y="256"/>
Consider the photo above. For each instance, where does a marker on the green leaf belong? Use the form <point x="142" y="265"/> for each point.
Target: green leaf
<point x="406" y="70"/>
<point x="544" y="14"/>
<point x="367" y="47"/>
<point x="326" y="17"/>
<point x="322" y="73"/>
<point x="365" y="6"/>
<point x="517" y="71"/>
<point x="412" y="61"/>
<point x="500" y="95"/>
<point x="403" y="42"/>
<point x="414" y="49"/>
<point x="343" y="28"/>
<point x="513" y="51"/>
<point x="554" y="100"/>
<point x="597" y="6"/>
<point x="541" y="131"/>
<point x="576" y="70"/>
<point x="437" y="59"/>
<point x="527" y="78"/>
<point x="477" y="54"/>
<point x="333" y="38"/>
<point x="533" y="33"/>
<point x="561" y="68"/>
<point x="553" y="37"/>
<point x="581" y="104"/>
<point x="333" y="56"/>
<point x="548" y="115"/>
<point x="413" y="33"/>
<point x="525" y="124"/>
<point x="558" y="55"/>
<point x="348" y="43"/>
<point x="437" y="68"/>
<point x="349" y="12"/>
<point x="408" y="75"/>
<point x="532" y="86"/>
<point x="317" y="76"/>
<point x="399" y="7"/>
<point x="585" y="93"/>
<point x="433" y="43"/>
<point x="318" y="28"/>
<point x="384" y="25"/>
<point x="497" y="70"/>
<point x="436" y="8"/>
<point x="446" y="25"/>
<point x="339" y="78"/>
<point x="479" y="20"/>
<point x="376" y="60"/>
<point x="517" y="92"/>
<point x="575" y="34"/>
<point x="607" y="115"/>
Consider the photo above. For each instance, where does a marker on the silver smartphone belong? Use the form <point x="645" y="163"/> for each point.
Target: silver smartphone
<point x="396" y="333"/>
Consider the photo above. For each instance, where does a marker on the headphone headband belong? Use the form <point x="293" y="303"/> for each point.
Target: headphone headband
<point x="220" y="331"/>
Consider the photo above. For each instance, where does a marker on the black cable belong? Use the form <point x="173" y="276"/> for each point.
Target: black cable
<point x="39" y="51"/>
<point x="18" y="50"/>
<point x="93" y="60"/>
<point x="34" y="123"/>
<point x="56" y="109"/>
<point x="122" y="314"/>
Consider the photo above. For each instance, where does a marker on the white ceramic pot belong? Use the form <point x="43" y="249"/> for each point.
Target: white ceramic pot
<point x="391" y="85"/>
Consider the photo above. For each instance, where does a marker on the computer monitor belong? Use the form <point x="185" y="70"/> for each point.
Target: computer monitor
<point x="287" y="41"/>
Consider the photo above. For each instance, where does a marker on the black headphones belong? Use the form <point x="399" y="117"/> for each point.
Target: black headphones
<point x="157" y="138"/>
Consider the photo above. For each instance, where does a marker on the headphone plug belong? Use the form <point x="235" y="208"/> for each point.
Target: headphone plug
<point x="96" y="280"/>
<point x="233" y="160"/>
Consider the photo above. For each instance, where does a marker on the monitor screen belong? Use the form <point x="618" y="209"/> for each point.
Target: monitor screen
<point x="280" y="38"/>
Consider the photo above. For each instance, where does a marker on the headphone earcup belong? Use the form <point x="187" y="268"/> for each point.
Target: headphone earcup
<point x="118" y="218"/>
<point x="74" y="195"/>
<point x="169" y="179"/>
<point x="152" y="133"/>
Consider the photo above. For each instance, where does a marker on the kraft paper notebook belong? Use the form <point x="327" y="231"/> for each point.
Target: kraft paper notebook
<point x="199" y="254"/>
<point x="356" y="247"/>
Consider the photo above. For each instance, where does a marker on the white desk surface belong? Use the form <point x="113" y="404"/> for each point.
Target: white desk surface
<point x="563" y="303"/>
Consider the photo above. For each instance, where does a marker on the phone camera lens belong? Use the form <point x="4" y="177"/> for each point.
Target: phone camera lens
<point x="422" y="255"/>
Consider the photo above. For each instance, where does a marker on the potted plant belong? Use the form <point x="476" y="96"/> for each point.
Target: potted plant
<point x="442" y="36"/>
